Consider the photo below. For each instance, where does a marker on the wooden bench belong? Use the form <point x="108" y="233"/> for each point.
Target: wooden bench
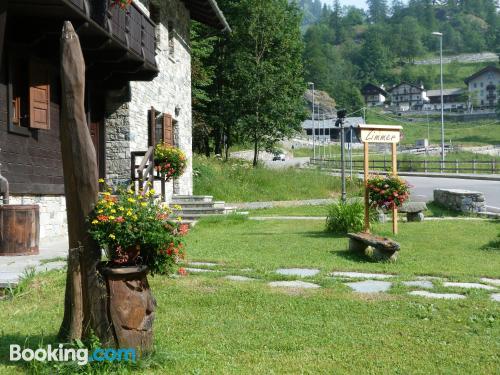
<point x="375" y="247"/>
<point x="414" y="210"/>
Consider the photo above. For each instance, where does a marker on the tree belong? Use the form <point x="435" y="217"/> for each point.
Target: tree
<point x="265" y="71"/>
<point x="377" y="9"/>
<point x="374" y="57"/>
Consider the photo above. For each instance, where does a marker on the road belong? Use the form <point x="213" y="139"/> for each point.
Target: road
<point x="423" y="188"/>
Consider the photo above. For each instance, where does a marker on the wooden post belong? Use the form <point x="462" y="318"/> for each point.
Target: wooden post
<point x="367" y="197"/>
<point x="395" y="173"/>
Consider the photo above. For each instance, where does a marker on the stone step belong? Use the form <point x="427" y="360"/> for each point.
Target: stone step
<point x="192" y="198"/>
<point x="197" y="204"/>
<point x="198" y="210"/>
<point x="493" y="209"/>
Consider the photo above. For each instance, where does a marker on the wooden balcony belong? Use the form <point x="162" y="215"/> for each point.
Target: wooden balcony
<point x="119" y="45"/>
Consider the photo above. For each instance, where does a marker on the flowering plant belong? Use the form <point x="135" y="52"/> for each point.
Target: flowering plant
<point x="387" y="191"/>
<point x="170" y="162"/>
<point x="123" y="4"/>
<point x="136" y="230"/>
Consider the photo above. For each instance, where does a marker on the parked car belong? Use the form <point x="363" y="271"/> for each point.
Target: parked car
<point x="279" y="157"/>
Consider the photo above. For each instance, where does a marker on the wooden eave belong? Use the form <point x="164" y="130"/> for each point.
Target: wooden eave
<point x="108" y="53"/>
<point x="208" y="13"/>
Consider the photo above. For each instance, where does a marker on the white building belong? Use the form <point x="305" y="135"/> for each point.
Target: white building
<point x="453" y="100"/>
<point x="405" y="96"/>
<point x="483" y="87"/>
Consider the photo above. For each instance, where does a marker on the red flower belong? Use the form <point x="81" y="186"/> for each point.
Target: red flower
<point x="183" y="229"/>
<point x="103" y="218"/>
<point x="182" y="271"/>
<point x="120" y="219"/>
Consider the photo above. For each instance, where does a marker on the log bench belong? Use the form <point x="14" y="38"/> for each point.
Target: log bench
<point x="375" y="247"/>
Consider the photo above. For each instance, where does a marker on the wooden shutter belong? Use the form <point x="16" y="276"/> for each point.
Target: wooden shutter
<point x="168" y="131"/>
<point x="39" y="96"/>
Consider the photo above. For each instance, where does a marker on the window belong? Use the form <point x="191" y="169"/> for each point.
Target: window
<point x="164" y="130"/>
<point x="171" y="39"/>
<point x="481" y="84"/>
<point x="475" y="85"/>
<point x="29" y="95"/>
<point x="309" y="131"/>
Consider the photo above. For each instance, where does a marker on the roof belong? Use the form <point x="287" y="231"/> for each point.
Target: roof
<point x="489" y="68"/>
<point x="405" y="83"/>
<point x="208" y="13"/>
<point x="330" y="123"/>
<point x="371" y="87"/>
<point x="446" y="92"/>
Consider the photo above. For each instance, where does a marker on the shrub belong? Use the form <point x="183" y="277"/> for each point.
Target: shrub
<point x="387" y="192"/>
<point x="344" y="217"/>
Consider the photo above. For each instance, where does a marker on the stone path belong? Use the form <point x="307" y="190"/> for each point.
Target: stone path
<point x="301" y="272"/>
<point x="14" y="268"/>
<point x="370" y="286"/>
<point x="293" y="284"/>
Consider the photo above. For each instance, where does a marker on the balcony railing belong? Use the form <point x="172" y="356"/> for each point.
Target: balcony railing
<point x="130" y="27"/>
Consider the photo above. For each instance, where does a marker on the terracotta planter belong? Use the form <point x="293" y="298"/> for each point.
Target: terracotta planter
<point x="131" y="307"/>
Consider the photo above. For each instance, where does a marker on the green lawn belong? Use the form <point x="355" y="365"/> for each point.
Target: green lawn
<point x="208" y="325"/>
<point x="237" y="181"/>
<point x="480" y="132"/>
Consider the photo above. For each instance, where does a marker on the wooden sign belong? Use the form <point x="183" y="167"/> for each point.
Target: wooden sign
<point x="380" y="133"/>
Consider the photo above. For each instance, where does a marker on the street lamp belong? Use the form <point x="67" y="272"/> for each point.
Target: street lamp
<point x="313" y="125"/>
<point x="440" y="35"/>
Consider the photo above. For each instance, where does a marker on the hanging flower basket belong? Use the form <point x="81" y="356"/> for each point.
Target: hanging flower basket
<point x="170" y="162"/>
<point x="123" y="4"/>
<point x="387" y="192"/>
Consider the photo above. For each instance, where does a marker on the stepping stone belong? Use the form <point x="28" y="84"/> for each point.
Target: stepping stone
<point x="419" y="283"/>
<point x="361" y="275"/>
<point x="495" y="297"/>
<point x="238" y="278"/>
<point x="429" y="278"/>
<point x="370" y="286"/>
<point x="490" y="281"/>
<point x="302" y="272"/>
<point x="198" y="270"/>
<point x="293" y="284"/>
<point x="424" y="293"/>
<point x="469" y="286"/>
<point x="246" y="270"/>
<point x="206" y="264"/>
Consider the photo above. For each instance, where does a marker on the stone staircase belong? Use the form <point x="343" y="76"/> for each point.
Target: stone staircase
<point x="194" y="207"/>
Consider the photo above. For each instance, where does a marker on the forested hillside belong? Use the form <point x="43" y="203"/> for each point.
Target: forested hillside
<point x="348" y="47"/>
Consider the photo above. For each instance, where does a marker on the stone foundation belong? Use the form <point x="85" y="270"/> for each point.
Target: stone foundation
<point x="53" y="219"/>
<point x="460" y="200"/>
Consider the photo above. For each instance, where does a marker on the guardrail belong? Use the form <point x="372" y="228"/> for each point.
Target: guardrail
<point x="449" y="166"/>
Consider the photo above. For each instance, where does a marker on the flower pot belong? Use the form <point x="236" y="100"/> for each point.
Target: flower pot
<point x="131" y="307"/>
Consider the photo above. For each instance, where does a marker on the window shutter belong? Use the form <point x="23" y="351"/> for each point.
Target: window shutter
<point x="39" y="96"/>
<point x="168" y="133"/>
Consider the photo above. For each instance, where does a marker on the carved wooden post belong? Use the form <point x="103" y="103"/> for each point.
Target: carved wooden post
<point x="367" y="196"/>
<point x="395" y="173"/>
<point x="81" y="189"/>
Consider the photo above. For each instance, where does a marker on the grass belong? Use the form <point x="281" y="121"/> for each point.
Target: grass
<point x="205" y="324"/>
<point x="480" y="132"/>
<point x="454" y="73"/>
<point x="237" y="181"/>
<point x="433" y="210"/>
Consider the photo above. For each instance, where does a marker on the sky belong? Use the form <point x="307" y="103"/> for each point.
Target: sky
<point x="357" y="3"/>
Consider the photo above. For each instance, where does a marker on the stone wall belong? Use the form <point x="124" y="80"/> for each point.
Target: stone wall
<point x="169" y="92"/>
<point x="53" y="219"/>
<point x="460" y="200"/>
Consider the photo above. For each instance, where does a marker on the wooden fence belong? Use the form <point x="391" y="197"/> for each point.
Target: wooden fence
<point x="424" y="165"/>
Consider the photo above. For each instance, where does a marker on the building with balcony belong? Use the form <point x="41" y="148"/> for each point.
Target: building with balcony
<point x="374" y="95"/>
<point x="453" y="100"/>
<point x="138" y="90"/>
<point x="406" y="96"/>
<point x="483" y="87"/>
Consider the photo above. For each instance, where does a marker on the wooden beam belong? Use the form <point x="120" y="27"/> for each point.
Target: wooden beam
<point x="394" y="173"/>
<point x="367" y="196"/>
